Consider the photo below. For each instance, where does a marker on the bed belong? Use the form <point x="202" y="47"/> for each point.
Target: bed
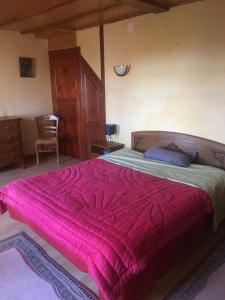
<point x="123" y="218"/>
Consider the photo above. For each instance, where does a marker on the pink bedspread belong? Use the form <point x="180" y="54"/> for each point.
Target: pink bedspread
<point x="112" y="218"/>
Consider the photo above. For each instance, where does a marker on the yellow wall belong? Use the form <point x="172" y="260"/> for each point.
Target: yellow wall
<point x="90" y="47"/>
<point x="177" y="76"/>
<point x="24" y="97"/>
<point x="67" y="40"/>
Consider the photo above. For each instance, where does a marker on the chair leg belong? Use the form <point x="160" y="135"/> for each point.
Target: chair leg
<point x="57" y="153"/>
<point x="37" y="156"/>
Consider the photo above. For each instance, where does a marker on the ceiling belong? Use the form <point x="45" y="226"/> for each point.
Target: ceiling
<point x="47" y="18"/>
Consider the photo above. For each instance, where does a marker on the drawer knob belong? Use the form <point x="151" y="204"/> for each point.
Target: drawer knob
<point x="10" y="148"/>
<point x="7" y="127"/>
<point x="9" y="137"/>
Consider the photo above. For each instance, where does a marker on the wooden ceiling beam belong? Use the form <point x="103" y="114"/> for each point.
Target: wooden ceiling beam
<point x="102" y="22"/>
<point x="149" y="6"/>
<point x="54" y="33"/>
<point x="22" y="18"/>
<point x="59" y="24"/>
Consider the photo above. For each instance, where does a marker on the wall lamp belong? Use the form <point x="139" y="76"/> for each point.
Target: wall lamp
<point x="121" y="70"/>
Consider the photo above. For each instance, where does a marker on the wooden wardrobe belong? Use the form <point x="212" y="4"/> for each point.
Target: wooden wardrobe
<point x="78" y="101"/>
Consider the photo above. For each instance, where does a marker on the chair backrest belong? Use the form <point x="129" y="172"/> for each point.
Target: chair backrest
<point x="47" y="126"/>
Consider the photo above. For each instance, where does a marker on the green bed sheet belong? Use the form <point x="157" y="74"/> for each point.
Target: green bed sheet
<point x="210" y="179"/>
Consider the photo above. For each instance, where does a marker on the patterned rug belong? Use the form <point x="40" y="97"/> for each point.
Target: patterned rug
<point x="27" y="272"/>
<point x="207" y="282"/>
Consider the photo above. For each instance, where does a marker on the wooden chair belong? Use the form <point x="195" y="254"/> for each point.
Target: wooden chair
<point x="48" y="135"/>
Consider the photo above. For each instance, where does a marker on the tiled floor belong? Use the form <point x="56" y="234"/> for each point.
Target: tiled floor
<point x="9" y="227"/>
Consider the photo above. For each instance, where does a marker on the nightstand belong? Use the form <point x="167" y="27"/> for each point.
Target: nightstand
<point x="104" y="147"/>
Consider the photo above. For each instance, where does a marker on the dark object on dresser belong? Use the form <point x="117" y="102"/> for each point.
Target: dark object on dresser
<point x="10" y="141"/>
<point x="104" y="147"/>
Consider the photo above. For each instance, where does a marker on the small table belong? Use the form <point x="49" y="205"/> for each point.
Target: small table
<point x="103" y="147"/>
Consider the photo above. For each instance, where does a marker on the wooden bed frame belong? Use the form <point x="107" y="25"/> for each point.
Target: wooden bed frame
<point x="209" y="152"/>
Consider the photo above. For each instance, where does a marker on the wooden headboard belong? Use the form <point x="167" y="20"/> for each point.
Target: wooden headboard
<point x="209" y="152"/>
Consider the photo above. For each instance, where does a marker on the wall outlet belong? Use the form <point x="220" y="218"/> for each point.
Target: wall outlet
<point x="130" y="27"/>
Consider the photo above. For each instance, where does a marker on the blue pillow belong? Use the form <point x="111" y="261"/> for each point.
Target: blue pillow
<point x="176" y="158"/>
<point x="193" y="155"/>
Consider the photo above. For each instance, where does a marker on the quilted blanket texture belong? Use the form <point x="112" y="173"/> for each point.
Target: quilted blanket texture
<point x="3" y="208"/>
<point x="111" y="217"/>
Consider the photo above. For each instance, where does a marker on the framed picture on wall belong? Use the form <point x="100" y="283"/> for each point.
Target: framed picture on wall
<point x="27" y="67"/>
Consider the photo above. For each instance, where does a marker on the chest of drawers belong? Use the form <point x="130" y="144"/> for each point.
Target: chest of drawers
<point x="10" y="141"/>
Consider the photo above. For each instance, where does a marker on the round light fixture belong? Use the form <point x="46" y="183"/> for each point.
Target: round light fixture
<point x="121" y="70"/>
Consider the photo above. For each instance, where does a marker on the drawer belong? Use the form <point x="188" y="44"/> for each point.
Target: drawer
<point x="9" y="139"/>
<point x="10" y="149"/>
<point x="9" y="159"/>
<point x="9" y="126"/>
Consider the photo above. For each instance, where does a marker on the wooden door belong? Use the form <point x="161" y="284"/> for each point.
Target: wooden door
<point x="78" y="101"/>
<point x="93" y="107"/>
<point x="65" y="75"/>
